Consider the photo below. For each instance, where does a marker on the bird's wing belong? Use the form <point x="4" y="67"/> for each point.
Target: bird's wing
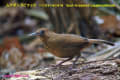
<point x="68" y="40"/>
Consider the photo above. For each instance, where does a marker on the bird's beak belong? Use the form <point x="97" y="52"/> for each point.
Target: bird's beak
<point x="33" y="34"/>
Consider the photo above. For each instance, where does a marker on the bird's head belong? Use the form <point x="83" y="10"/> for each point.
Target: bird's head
<point x="40" y="33"/>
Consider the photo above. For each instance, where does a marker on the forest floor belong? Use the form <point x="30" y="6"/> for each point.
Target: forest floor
<point x="94" y="70"/>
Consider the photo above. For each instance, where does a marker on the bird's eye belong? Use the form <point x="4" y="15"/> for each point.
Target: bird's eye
<point x="42" y="32"/>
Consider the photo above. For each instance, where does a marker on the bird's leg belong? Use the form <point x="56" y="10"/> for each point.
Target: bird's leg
<point x="76" y="59"/>
<point x="64" y="61"/>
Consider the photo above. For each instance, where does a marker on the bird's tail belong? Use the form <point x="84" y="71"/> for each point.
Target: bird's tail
<point x="98" y="41"/>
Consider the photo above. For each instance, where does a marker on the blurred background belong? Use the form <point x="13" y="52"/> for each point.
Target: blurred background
<point x="19" y="52"/>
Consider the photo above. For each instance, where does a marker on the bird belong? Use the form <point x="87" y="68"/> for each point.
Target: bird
<point x="65" y="45"/>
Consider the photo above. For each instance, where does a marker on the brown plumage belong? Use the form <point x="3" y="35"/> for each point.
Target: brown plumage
<point x="65" y="45"/>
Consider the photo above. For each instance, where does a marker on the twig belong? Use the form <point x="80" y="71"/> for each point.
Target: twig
<point x="98" y="61"/>
<point x="105" y="53"/>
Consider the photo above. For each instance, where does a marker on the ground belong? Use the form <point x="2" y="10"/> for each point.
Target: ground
<point x="95" y="70"/>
